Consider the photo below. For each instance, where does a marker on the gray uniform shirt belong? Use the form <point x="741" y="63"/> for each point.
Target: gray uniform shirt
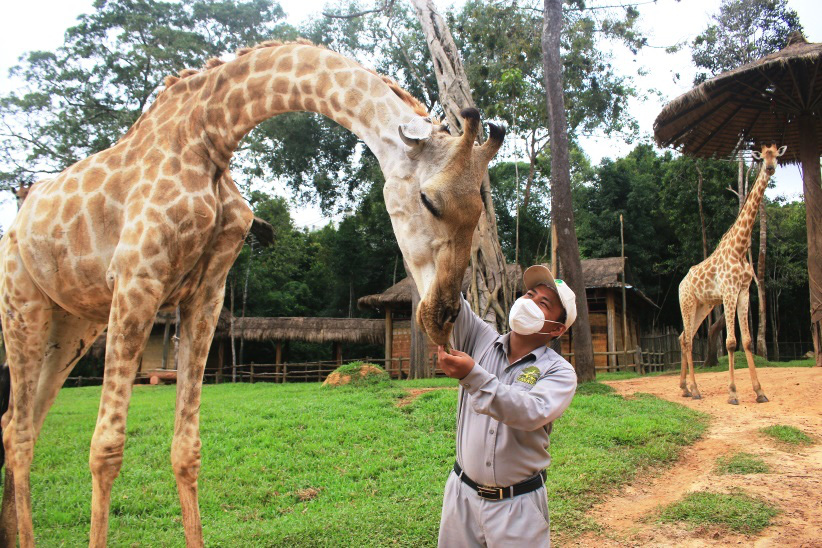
<point x="505" y="410"/>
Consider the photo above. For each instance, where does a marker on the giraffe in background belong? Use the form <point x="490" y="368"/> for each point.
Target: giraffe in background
<point x="725" y="278"/>
<point x="155" y="222"/>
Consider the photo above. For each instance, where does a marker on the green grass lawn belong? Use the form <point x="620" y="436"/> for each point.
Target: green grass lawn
<point x="789" y="435"/>
<point x="739" y="363"/>
<point x="295" y="464"/>
<point x="737" y="512"/>
<point x="741" y="463"/>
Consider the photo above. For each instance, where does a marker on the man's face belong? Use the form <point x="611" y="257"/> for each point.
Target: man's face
<point x="548" y="302"/>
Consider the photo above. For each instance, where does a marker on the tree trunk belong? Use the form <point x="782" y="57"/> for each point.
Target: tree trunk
<point x="701" y="213"/>
<point x="562" y="211"/>
<point x="761" y="343"/>
<point x="811" y="181"/>
<point x="245" y="297"/>
<point x="490" y="293"/>
<point x="231" y="335"/>
<point x="714" y="340"/>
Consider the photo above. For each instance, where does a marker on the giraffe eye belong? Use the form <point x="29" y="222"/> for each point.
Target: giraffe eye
<point x="429" y="206"/>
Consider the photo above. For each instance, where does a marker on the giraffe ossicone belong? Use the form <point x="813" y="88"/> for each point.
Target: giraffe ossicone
<point x="725" y="278"/>
<point x="155" y="222"/>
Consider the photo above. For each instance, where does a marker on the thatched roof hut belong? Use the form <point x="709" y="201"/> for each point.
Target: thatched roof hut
<point x="757" y="102"/>
<point x="399" y="294"/>
<point x="605" y="273"/>
<point x="315" y="330"/>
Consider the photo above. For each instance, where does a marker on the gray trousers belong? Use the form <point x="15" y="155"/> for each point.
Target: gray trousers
<point x="469" y="520"/>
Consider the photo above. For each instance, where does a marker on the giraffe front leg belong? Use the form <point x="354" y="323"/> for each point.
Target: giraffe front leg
<point x="198" y="320"/>
<point x="134" y="308"/>
<point x="747" y="345"/>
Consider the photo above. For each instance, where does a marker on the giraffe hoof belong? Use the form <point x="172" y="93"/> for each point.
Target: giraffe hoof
<point x="686" y="394"/>
<point x="697" y="396"/>
<point x="733" y="401"/>
<point x="761" y="399"/>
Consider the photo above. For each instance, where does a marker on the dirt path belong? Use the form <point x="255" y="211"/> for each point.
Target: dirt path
<point x="794" y="484"/>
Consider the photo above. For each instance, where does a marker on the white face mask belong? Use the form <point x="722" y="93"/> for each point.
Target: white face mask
<point x="526" y="318"/>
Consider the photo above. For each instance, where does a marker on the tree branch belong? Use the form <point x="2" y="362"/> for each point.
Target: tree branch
<point x="386" y="7"/>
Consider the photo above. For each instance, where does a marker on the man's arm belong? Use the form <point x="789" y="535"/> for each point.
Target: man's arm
<point x="470" y="331"/>
<point x="523" y="410"/>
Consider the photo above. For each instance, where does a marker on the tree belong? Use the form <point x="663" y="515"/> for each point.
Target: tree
<point x="743" y="31"/>
<point x="562" y="213"/>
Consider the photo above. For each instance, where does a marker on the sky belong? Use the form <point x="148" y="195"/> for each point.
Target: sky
<point x="40" y="24"/>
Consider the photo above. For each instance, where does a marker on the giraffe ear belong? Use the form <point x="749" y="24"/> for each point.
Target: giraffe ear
<point x="416" y="132"/>
<point x="782" y="150"/>
<point x="756" y="155"/>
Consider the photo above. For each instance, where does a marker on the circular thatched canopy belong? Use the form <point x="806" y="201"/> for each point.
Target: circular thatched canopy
<point x="756" y="103"/>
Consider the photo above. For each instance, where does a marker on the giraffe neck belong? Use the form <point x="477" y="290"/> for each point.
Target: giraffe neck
<point x="239" y="95"/>
<point x="738" y="238"/>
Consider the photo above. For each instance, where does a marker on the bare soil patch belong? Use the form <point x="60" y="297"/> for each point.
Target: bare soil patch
<point x="794" y="484"/>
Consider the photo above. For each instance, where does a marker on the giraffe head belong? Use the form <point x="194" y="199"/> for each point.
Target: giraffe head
<point x="768" y="157"/>
<point x="21" y="193"/>
<point x="434" y="216"/>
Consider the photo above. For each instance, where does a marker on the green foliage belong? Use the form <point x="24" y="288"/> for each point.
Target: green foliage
<point x="291" y="464"/>
<point x="790" y="435"/>
<point x="742" y="31"/>
<point x="593" y="387"/>
<point x="80" y="98"/>
<point x="737" y="512"/>
<point x="741" y="463"/>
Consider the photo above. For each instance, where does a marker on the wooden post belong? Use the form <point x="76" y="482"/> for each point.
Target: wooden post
<point x="389" y="337"/>
<point x="252" y="372"/>
<point x="812" y="185"/>
<point x="624" y="301"/>
<point x="611" y="320"/>
<point x="220" y="360"/>
<point x="278" y="353"/>
<point x="166" y="340"/>
<point x="338" y="353"/>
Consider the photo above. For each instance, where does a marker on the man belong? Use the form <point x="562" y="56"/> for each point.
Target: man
<point x="512" y="387"/>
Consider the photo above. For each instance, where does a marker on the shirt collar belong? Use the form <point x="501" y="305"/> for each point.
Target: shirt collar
<point x="503" y="343"/>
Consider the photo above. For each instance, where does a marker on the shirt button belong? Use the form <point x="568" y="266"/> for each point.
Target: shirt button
<point x="488" y="463"/>
<point x="466" y="385"/>
<point x="491" y="431"/>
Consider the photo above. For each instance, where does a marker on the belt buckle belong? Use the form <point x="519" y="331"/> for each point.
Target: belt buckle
<point x="490" y="493"/>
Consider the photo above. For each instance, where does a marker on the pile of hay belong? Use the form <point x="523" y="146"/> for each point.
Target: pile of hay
<point x="357" y="374"/>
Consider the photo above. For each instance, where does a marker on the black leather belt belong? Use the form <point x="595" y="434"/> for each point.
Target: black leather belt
<point x="501" y="493"/>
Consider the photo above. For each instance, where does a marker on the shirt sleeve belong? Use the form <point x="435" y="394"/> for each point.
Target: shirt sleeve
<point x="523" y="410"/>
<point x="470" y="332"/>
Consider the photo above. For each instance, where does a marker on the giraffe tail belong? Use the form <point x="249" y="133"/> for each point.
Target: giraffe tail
<point x="5" y="391"/>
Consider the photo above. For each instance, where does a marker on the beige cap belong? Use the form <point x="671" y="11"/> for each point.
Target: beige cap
<point x="539" y="274"/>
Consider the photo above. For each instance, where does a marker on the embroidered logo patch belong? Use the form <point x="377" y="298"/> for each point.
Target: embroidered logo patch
<point x="529" y="375"/>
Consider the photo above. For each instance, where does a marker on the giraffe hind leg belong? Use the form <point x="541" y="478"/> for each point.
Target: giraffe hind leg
<point x="729" y="303"/>
<point x="26" y="315"/>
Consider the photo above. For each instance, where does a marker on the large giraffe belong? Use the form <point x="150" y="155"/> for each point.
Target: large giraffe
<point x="725" y="278"/>
<point x="155" y="222"/>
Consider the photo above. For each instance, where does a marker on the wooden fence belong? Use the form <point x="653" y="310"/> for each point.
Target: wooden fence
<point x="657" y="352"/>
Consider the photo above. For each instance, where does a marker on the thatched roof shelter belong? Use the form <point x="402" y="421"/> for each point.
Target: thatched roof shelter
<point x="399" y="294"/>
<point x="606" y="272"/>
<point x="755" y="103"/>
<point x="316" y="330"/>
